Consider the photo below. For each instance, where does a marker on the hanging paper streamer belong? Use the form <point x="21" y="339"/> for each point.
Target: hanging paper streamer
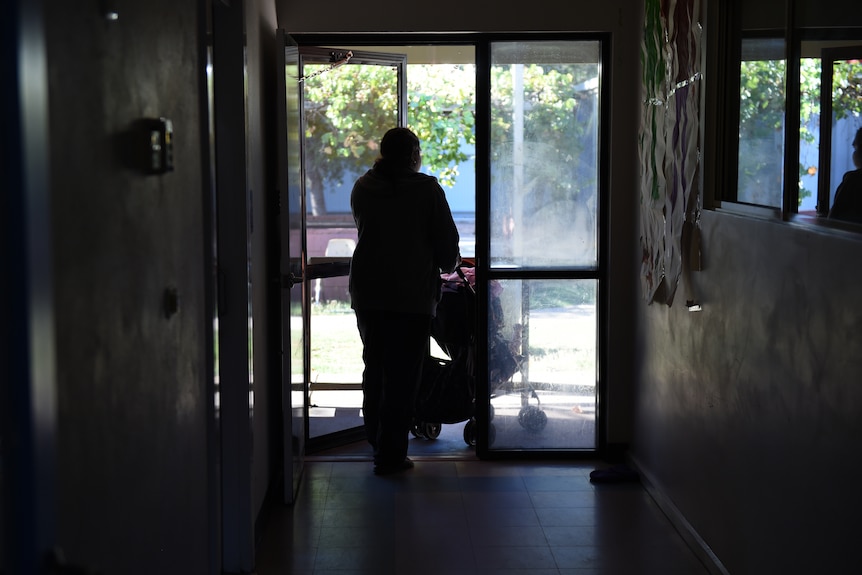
<point x="669" y="140"/>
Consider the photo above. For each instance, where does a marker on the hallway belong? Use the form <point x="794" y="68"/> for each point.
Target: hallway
<point x="464" y="516"/>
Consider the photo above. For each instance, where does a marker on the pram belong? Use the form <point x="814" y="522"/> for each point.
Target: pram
<point x="447" y="390"/>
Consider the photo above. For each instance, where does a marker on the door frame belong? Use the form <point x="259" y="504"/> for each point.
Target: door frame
<point x="231" y="227"/>
<point x="481" y="42"/>
<point x="290" y="274"/>
<point x="28" y="399"/>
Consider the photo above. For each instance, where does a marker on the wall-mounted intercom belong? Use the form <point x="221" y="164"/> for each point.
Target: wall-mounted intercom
<point x="161" y="149"/>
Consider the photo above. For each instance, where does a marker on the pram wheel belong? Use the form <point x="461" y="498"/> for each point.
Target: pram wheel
<point x="426" y="430"/>
<point x="417" y="429"/>
<point x="432" y="430"/>
<point x="532" y="418"/>
<point x="470" y="432"/>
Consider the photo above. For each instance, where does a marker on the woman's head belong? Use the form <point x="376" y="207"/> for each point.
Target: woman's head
<point x="400" y="148"/>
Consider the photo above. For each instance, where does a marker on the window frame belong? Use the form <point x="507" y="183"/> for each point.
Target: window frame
<point x="726" y="193"/>
<point x="600" y="272"/>
<point x="796" y="38"/>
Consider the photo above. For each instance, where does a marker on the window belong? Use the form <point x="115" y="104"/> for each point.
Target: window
<point x="761" y="122"/>
<point x="797" y="119"/>
<point x="840" y="116"/>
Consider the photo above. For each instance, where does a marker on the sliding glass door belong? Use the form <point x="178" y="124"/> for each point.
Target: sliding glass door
<point x="543" y="267"/>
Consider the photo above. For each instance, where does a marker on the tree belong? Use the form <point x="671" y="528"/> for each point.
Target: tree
<point x="761" y="131"/>
<point x="349" y="108"/>
<point x="442" y="112"/>
<point x="559" y="115"/>
<point x="544" y="154"/>
<point x="847" y="90"/>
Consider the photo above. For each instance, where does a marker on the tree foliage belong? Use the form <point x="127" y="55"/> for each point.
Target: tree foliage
<point x="847" y="90"/>
<point x="348" y="109"/>
<point x="559" y="103"/>
<point x="442" y="112"/>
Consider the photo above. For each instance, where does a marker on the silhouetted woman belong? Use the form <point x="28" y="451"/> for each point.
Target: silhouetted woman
<point x="847" y="204"/>
<point x="406" y="238"/>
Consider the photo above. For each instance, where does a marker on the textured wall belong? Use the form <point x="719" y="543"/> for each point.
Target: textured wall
<point x="455" y="16"/>
<point x="132" y="473"/>
<point x="748" y="412"/>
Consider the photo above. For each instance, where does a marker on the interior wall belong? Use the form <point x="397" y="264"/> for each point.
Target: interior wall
<point x="455" y="16"/>
<point x="132" y="470"/>
<point x="746" y="417"/>
<point x="620" y="18"/>
<point x="748" y="411"/>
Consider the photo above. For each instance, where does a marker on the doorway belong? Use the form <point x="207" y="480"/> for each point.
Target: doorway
<point x="516" y="128"/>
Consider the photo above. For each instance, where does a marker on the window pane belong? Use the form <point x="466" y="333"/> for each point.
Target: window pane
<point x="809" y="133"/>
<point x="336" y="360"/>
<point x="829" y="118"/>
<point x="544" y="153"/>
<point x="542" y="364"/>
<point x="347" y="111"/>
<point x="442" y="110"/>
<point x="846" y="117"/>
<point x="761" y="122"/>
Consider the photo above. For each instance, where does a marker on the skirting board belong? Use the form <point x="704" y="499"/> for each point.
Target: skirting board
<point x="685" y="529"/>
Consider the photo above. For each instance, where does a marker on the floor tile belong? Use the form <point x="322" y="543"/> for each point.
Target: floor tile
<point x="504" y="517"/>
<point x="568" y="535"/>
<point x="478" y="502"/>
<point x="563" y="516"/>
<point x="508" y="558"/>
<point x="505" y="484"/>
<point x="558" y="499"/>
<point x="580" y="557"/>
<point x="507" y="536"/>
<point x="558" y="483"/>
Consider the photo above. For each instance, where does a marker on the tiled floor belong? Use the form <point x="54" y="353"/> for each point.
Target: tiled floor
<point x="453" y="517"/>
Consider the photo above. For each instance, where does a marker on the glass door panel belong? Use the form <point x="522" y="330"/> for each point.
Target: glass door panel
<point x="441" y="110"/>
<point x="350" y="99"/>
<point x="761" y="122"/>
<point x="542" y="364"/>
<point x="544" y="154"/>
<point x="544" y="251"/>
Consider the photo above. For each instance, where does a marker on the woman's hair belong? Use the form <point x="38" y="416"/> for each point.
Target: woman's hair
<point x="397" y="146"/>
<point x="857" y="140"/>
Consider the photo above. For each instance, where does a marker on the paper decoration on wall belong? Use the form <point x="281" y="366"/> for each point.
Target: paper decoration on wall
<point x="669" y="141"/>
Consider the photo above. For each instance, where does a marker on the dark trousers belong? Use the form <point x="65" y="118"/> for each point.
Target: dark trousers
<point x="394" y="347"/>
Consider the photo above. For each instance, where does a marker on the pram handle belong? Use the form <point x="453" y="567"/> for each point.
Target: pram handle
<point x="461" y="275"/>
